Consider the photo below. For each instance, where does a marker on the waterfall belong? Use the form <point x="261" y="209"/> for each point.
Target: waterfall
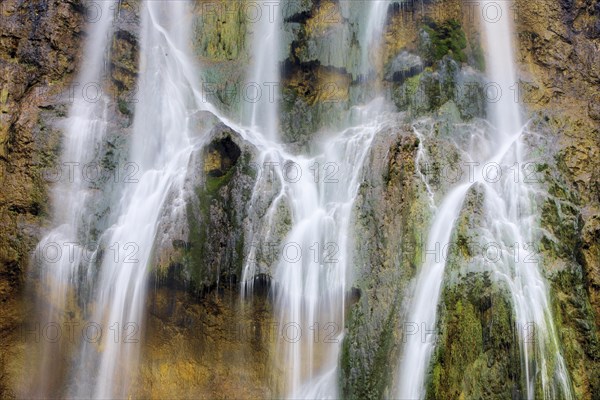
<point x="319" y="189"/>
<point x="309" y="197"/>
<point x="511" y="205"/>
<point x="310" y="276"/>
<point x="161" y="147"/>
<point x="111" y="277"/>
<point x="66" y="248"/>
<point x="261" y="92"/>
<point x="510" y="218"/>
<point x="372" y="35"/>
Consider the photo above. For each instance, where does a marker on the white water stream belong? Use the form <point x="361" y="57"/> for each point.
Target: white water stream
<point x="510" y="219"/>
<point x="261" y="92"/>
<point x="310" y="274"/>
<point x="65" y="249"/>
<point x="161" y="148"/>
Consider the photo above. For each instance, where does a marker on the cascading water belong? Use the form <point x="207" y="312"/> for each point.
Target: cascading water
<point x="310" y="276"/>
<point x="511" y="205"/>
<point x="316" y="190"/>
<point x="261" y="92"/>
<point x="373" y="33"/>
<point x="64" y="250"/>
<point x="161" y="146"/>
<point x="509" y="220"/>
<point x="310" y="273"/>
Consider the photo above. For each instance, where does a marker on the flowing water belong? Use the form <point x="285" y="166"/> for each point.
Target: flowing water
<point x="310" y="277"/>
<point x="160" y="149"/>
<point x="373" y="34"/>
<point x="262" y="89"/>
<point x="65" y="248"/>
<point x="509" y="223"/>
<point x="311" y="200"/>
<point x="310" y="274"/>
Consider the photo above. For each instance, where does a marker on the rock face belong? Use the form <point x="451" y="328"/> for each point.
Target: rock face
<point x="562" y="87"/>
<point x="433" y="68"/>
<point x="210" y="252"/>
<point x="213" y="347"/>
<point x="477" y="353"/>
<point x="39" y="49"/>
<point x="216" y="217"/>
<point x="220" y="32"/>
<point x="41" y="46"/>
<point x="558" y="53"/>
<point x="388" y="226"/>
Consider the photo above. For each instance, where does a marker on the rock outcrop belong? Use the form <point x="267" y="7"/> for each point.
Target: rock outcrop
<point x="40" y="46"/>
<point x="389" y="221"/>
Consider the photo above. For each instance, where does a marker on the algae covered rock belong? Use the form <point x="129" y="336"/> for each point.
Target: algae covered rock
<point x="403" y="66"/>
<point x="207" y="249"/>
<point x="436" y="40"/>
<point x="477" y="350"/>
<point x="427" y="91"/>
<point x="388" y="220"/>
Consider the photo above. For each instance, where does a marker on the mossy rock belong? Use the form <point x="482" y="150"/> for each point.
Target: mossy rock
<point x="426" y="92"/>
<point x="389" y="217"/>
<point x="440" y="39"/>
<point x="477" y="354"/>
<point x="209" y="253"/>
<point x="574" y="319"/>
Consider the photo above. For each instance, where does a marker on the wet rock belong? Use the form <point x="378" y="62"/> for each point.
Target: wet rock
<point x="477" y="352"/>
<point x="124" y="61"/>
<point x="436" y="40"/>
<point x="388" y="218"/>
<point x="220" y="156"/>
<point x="220" y="36"/>
<point x="210" y="235"/>
<point x="326" y="35"/>
<point x="39" y="49"/>
<point x="314" y="97"/>
<point x="206" y="347"/>
<point x="568" y="247"/>
<point x="426" y="92"/>
<point x="404" y="65"/>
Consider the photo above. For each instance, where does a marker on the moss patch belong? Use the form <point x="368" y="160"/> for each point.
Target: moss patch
<point x="439" y="39"/>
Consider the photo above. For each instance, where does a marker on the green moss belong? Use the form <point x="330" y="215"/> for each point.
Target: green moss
<point x="443" y="38"/>
<point x="123" y="107"/>
<point x="367" y="381"/>
<point x="213" y="184"/>
<point x="412" y="84"/>
<point x="195" y="257"/>
<point x="3" y="95"/>
<point x="221" y="37"/>
<point x="574" y="320"/>
<point x="477" y="354"/>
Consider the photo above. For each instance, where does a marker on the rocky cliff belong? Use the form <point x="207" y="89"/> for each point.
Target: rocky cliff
<point x="432" y="63"/>
<point x="40" y="46"/>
